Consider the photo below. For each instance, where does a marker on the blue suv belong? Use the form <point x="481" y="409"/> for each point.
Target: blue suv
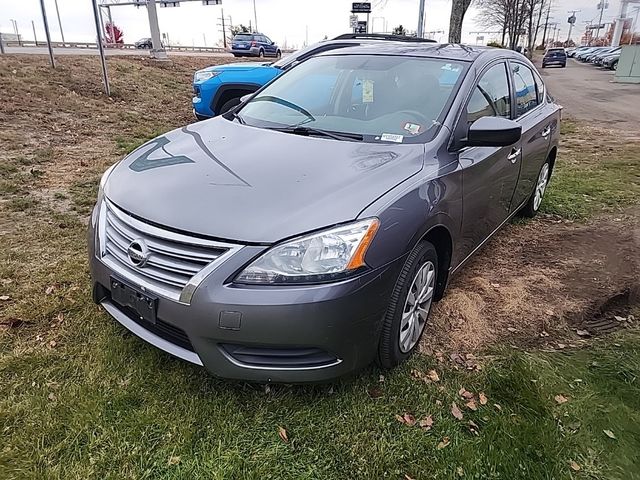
<point x="254" y="45"/>
<point x="218" y="89"/>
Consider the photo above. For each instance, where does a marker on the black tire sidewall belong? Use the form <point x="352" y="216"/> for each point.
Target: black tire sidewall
<point x="228" y="105"/>
<point x="389" y="353"/>
<point x="528" y="210"/>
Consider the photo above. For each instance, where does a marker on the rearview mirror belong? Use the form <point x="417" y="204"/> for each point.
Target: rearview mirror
<point x="493" y="132"/>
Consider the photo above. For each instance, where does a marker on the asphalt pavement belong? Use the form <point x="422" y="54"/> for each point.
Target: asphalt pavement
<point x="589" y="93"/>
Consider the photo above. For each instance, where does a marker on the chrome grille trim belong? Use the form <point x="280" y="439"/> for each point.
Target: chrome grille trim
<point x="177" y="264"/>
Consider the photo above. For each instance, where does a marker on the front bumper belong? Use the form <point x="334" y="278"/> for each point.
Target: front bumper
<point x="289" y="334"/>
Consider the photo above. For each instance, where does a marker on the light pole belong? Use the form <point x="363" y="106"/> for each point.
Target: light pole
<point x="571" y="21"/>
<point x="105" y="76"/>
<point x="255" y="15"/>
<point x="601" y="6"/>
<point x="421" y="20"/>
<point x="47" y="33"/>
<point x="59" y="22"/>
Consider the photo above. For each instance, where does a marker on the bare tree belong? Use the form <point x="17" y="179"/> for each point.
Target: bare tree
<point x="515" y="18"/>
<point x="458" y="10"/>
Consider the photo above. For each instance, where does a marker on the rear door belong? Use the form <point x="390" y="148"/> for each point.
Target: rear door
<point x="490" y="174"/>
<point x="533" y="113"/>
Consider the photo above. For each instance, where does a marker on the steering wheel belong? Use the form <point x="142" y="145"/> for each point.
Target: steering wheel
<point x="421" y="119"/>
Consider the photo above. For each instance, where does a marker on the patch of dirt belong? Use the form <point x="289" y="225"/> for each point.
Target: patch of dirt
<point x="539" y="283"/>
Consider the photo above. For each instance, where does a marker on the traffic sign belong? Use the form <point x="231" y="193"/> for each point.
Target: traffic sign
<point x="353" y="21"/>
<point x="361" y="7"/>
<point x="362" y="27"/>
<point x="571" y="19"/>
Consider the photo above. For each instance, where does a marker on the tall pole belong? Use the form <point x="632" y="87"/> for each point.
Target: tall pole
<point x="157" y="51"/>
<point x="15" y="29"/>
<point x="110" y="23"/>
<point x="255" y="15"/>
<point x="1" y="45"/>
<point x="573" y="16"/>
<point x="224" y="30"/>
<point x="546" y="25"/>
<point x="35" y="38"/>
<point x="601" y="6"/>
<point x="105" y="75"/>
<point x="421" y="20"/>
<point x="59" y="22"/>
<point x="47" y="34"/>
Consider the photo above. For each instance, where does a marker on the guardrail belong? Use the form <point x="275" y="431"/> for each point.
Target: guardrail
<point x="112" y="46"/>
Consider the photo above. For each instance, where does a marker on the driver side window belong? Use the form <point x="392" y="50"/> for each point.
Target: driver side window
<point x="491" y="97"/>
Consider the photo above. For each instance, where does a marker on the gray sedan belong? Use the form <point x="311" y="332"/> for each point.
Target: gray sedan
<point x="306" y="233"/>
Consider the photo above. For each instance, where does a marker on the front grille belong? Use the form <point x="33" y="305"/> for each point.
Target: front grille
<point x="162" y="329"/>
<point x="280" y="358"/>
<point x="172" y="261"/>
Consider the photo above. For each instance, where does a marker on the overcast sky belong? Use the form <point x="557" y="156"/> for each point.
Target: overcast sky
<point x="282" y="20"/>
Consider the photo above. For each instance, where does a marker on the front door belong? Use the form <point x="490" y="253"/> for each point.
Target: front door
<point x="532" y="113"/>
<point x="490" y="174"/>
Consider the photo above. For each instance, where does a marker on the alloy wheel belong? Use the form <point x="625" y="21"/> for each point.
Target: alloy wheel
<point x="417" y="306"/>
<point x="541" y="186"/>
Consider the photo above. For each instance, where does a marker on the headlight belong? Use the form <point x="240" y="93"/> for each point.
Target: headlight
<point x="327" y="255"/>
<point x="203" y="75"/>
<point x="103" y="181"/>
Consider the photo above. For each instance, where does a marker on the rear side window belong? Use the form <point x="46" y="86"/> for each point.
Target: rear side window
<point x="525" y="87"/>
<point x="539" y="89"/>
<point x="491" y="96"/>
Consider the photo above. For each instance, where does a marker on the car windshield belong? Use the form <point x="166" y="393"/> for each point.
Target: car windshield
<point x="377" y="98"/>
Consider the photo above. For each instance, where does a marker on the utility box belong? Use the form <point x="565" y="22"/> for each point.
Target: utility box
<point x="628" y="70"/>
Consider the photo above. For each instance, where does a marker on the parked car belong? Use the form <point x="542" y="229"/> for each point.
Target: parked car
<point x="611" y="61"/>
<point x="307" y="232"/>
<point x="144" y="43"/>
<point x="219" y="88"/>
<point x="572" y="52"/>
<point x="554" y="56"/>
<point x="254" y="45"/>
<point x="598" y="58"/>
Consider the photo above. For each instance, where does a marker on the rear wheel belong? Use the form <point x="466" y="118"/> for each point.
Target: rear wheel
<point x="410" y="305"/>
<point x="533" y="205"/>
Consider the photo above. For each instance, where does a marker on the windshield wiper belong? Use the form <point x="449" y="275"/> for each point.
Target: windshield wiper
<point x="308" y="131"/>
<point x="284" y="103"/>
<point x="235" y="115"/>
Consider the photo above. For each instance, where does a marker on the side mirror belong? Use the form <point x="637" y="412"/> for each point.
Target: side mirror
<point x="273" y="43"/>
<point x="493" y="132"/>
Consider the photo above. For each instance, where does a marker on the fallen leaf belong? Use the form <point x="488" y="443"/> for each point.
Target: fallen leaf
<point x="4" y="298"/>
<point x="465" y="393"/>
<point x="483" y="398"/>
<point x="409" y="419"/>
<point x="433" y="376"/>
<point x="471" y="405"/>
<point x="548" y="312"/>
<point x="439" y="403"/>
<point x="574" y="466"/>
<point x="52" y="343"/>
<point x="282" y="433"/>
<point x="473" y="427"/>
<point x="460" y="471"/>
<point x="497" y="406"/>
<point x="455" y="411"/>
<point x="381" y="379"/>
<point x="609" y="434"/>
<point x="544" y="334"/>
<point x="52" y="396"/>
<point x="583" y="333"/>
<point x="444" y="443"/>
<point x="174" y="460"/>
<point x="399" y="418"/>
<point x="560" y="399"/>
<point x="561" y="346"/>
<point x="511" y="329"/>
<point x="50" y="289"/>
<point x="426" y="423"/>
<point x="407" y="477"/>
<point x="495" y="285"/>
<point x="375" y="392"/>
<point x="617" y="317"/>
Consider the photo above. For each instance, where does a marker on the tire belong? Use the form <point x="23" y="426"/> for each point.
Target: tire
<point x="422" y="262"/>
<point x="544" y="66"/>
<point x="530" y="210"/>
<point x="278" y="54"/>
<point x="228" y="105"/>
<point x="261" y="54"/>
<point x="236" y="55"/>
<point x="614" y="66"/>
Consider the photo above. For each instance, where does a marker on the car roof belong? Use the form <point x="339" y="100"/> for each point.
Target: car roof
<point x="449" y="51"/>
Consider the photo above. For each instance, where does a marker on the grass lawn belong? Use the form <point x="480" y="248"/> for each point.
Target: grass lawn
<point x="82" y="398"/>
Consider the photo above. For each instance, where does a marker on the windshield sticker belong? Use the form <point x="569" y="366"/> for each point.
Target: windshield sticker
<point x="367" y="91"/>
<point x="412" y="128"/>
<point x="390" y="137"/>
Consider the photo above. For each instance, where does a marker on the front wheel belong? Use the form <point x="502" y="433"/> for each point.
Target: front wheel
<point x="533" y="205"/>
<point x="409" y="307"/>
<point x="278" y="54"/>
<point x="261" y="54"/>
<point x="228" y="105"/>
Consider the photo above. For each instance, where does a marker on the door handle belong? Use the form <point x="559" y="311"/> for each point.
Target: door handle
<point x="546" y="132"/>
<point x="513" y="156"/>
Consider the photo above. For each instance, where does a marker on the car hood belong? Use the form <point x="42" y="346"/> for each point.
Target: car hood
<point x="238" y="67"/>
<point x="235" y="182"/>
